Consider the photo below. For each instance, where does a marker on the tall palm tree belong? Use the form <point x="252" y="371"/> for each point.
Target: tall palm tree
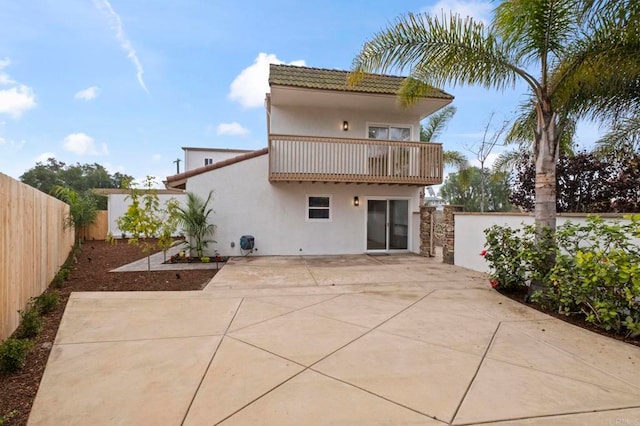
<point x="576" y="57"/>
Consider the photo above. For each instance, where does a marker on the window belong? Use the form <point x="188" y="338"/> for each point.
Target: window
<point x="318" y="208"/>
<point x="208" y="161"/>
<point x="394" y="133"/>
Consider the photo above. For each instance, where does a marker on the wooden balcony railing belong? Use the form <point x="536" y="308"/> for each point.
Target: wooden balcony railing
<point x="318" y="159"/>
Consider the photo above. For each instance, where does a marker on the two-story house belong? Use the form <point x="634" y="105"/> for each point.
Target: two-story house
<point x="341" y="174"/>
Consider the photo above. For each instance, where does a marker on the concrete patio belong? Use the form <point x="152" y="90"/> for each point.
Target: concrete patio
<point x="331" y="340"/>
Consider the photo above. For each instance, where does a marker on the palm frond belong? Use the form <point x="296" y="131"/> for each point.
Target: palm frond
<point x="437" y="123"/>
<point x="623" y="136"/>
<point x="440" y="51"/>
<point x="455" y="159"/>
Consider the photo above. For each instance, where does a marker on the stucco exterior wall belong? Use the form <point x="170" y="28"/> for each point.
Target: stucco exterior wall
<point x="245" y="202"/>
<point x="470" y="239"/>
<point x="327" y="122"/>
<point x="118" y="204"/>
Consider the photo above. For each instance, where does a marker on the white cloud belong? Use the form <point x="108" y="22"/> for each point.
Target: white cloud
<point x="477" y="9"/>
<point x="83" y="144"/>
<point x="17" y="98"/>
<point x="156" y="157"/>
<point x="12" y="144"/>
<point x="488" y="163"/>
<point x="250" y="86"/>
<point x="116" y="25"/>
<point x="88" y="93"/>
<point x="232" y="129"/>
<point x="42" y="158"/>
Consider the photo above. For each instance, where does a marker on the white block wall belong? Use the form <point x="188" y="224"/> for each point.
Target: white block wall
<point x="470" y="238"/>
<point x="119" y="203"/>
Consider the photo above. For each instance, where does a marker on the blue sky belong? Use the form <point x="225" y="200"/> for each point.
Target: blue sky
<point x="126" y="84"/>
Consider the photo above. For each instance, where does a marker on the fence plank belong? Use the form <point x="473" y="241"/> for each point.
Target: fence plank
<point x="34" y="243"/>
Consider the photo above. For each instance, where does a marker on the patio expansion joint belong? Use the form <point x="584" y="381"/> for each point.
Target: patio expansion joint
<point x="549" y="416"/>
<point x="277" y="316"/>
<point x="578" y="357"/>
<point x="206" y="370"/>
<point x="146" y="339"/>
<point x="484" y="356"/>
<point x="310" y="367"/>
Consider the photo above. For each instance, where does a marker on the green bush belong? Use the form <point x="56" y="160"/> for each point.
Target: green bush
<point x="30" y="323"/>
<point x="596" y="272"/>
<point x="61" y="276"/>
<point x="514" y="256"/>
<point x="13" y="354"/>
<point x="47" y="302"/>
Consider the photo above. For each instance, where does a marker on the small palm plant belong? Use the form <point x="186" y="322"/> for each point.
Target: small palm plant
<point x="194" y="220"/>
<point x="83" y="209"/>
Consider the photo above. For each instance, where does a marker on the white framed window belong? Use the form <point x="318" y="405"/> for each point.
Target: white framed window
<point x="208" y="161"/>
<point x="318" y="208"/>
<point x="394" y="132"/>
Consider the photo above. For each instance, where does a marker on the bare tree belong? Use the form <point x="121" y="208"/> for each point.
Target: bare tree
<point x="482" y="151"/>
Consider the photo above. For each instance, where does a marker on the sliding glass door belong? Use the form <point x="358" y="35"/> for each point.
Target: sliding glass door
<point x="387" y="225"/>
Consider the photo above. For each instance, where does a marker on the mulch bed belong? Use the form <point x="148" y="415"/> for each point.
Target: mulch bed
<point x="90" y="273"/>
<point x="519" y="293"/>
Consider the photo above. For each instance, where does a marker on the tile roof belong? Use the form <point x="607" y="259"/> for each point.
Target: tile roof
<point x="326" y="79"/>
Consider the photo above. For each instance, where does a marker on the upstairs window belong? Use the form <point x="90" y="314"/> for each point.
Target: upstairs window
<point x="394" y="133"/>
<point x="318" y="208"/>
<point x="208" y="161"/>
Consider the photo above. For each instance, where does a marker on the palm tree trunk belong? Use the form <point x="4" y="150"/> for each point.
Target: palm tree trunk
<point x="545" y="156"/>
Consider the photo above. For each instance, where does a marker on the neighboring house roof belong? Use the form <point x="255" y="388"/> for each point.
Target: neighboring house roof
<point x="326" y="79"/>
<point x="109" y="191"/>
<point x="190" y="148"/>
<point x="179" y="180"/>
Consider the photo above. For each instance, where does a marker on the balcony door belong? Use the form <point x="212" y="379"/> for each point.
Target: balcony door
<point x="387" y="225"/>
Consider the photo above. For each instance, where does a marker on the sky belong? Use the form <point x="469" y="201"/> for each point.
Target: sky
<point x="126" y="83"/>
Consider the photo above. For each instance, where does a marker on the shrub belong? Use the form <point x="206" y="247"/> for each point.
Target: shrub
<point x="596" y="272"/>
<point x="61" y="276"/>
<point x="13" y="354"/>
<point x="30" y="323"/>
<point x="205" y="259"/>
<point x="514" y="256"/>
<point x="47" y="302"/>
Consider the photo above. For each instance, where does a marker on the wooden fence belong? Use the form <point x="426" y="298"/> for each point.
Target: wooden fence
<point x="99" y="229"/>
<point x="34" y="243"/>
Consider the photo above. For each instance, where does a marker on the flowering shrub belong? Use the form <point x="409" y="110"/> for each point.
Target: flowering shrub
<point x="596" y="272"/>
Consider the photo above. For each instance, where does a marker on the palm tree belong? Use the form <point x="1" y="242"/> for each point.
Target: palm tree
<point x="83" y="209"/>
<point x="623" y="137"/>
<point x="194" y="220"/>
<point x="432" y="130"/>
<point x="577" y="57"/>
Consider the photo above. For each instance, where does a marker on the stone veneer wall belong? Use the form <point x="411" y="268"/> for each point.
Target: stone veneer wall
<point x="427" y="223"/>
<point x="449" y="236"/>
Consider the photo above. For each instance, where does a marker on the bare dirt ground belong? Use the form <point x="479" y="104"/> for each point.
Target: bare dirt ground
<point x="90" y="273"/>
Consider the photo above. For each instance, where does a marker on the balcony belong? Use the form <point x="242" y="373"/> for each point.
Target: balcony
<point x="371" y="161"/>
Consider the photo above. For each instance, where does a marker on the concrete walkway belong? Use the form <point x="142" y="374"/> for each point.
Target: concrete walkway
<point x="351" y="340"/>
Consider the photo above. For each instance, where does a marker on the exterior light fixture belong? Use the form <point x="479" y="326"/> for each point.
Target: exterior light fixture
<point x="356" y="201"/>
<point x="345" y="125"/>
